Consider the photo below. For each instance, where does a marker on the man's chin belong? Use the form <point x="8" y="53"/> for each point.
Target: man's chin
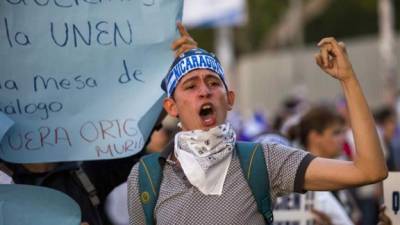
<point x="204" y="126"/>
<point x="209" y="123"/>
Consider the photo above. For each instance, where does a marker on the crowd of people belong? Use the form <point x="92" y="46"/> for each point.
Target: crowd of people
<point x="322" y="128"/>
<point x="196" y="170"/>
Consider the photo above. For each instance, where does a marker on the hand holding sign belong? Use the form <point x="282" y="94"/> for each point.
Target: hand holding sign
<point x="184" y="43"/>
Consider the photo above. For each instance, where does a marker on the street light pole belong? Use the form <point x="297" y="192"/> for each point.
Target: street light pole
<point x="387" y="50"/>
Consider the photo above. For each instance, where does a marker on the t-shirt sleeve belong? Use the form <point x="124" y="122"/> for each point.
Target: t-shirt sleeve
<point x="286" y="168"/>
<point x="135" y="210"/>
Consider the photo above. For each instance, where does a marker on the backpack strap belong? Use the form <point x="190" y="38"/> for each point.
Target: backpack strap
<point x="150" y="175"/>
<point x="252" y="161"/>
<point x="88" y="186"/>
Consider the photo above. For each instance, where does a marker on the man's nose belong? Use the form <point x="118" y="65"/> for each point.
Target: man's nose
<point x="204" y="91"/>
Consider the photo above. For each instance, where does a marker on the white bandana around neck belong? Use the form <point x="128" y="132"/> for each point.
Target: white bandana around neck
<point x="205" y="156"/>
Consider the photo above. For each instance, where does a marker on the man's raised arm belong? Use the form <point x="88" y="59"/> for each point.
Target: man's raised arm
<point x="368" y="165"/>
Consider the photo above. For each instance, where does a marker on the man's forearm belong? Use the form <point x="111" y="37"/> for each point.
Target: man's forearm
<point x="369" y="155"/>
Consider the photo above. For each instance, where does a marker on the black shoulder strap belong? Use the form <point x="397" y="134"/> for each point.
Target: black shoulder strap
<point x="88" y="186"/>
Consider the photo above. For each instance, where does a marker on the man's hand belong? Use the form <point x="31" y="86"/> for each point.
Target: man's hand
<point x="184" y="43"/>
<point x="383" y="218"/>
<point x="321" y="218"/>
<point x="333" y="59"/>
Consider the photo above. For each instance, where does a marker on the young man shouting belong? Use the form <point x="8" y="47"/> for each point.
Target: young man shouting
<point x="202" y="181"/>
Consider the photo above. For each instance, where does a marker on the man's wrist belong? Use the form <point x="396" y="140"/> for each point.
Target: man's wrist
<point x="350" y="79"/>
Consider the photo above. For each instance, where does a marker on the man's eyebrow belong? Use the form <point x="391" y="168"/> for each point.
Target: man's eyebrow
<point x="190" y="79"/>
<point x="211" y="76"/>
<point x="207" y="77"/>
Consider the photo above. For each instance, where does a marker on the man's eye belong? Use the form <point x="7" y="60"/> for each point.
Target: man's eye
<point x="214" y="83"/>
<point x="189" y="87"/>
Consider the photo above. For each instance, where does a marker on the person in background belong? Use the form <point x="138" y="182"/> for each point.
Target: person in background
<point x="386" y="120"/>
<point x="289" y="113"/>
<point x="321" y="132"/>
<point x="87" y="183"/>
<point x="254" y="126"/>
<point x="162" y="136"/>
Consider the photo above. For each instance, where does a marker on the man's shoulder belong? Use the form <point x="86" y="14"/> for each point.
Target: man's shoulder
<point x="278" y="147"/>
<point x="270" y="146"/>
<point x="149" y="158"/>
<point x="133" y="175"/>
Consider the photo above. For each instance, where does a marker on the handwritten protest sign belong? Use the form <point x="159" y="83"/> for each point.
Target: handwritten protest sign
<point x="294" y="209"/>
<point x="5" y="124"/>
<point x="32" y="205"/>
<point x="81" y="78"/>
<point x="391" y="189"/>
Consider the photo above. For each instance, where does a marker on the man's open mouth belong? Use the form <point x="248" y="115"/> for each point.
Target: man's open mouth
<point x="207" y="114"/>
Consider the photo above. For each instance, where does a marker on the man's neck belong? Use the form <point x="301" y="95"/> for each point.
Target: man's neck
<point x="175" y="160"/>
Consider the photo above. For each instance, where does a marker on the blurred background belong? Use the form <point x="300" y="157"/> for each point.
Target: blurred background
<point x="267" y="49"/>
<point x="267" y="46"/>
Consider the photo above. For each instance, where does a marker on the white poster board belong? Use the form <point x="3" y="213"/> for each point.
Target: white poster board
<point x="294" y="209"/>
<point x="391" y="189"/>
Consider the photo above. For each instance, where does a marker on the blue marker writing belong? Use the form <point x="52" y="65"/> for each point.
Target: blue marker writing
<point x="395" y="202"/>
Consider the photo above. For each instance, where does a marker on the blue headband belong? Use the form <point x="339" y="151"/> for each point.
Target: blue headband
<point x="191" y="60"/>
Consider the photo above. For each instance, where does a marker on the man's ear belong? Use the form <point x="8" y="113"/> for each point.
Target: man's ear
<point x="169" y="105"/>
<point x="231" y="99"/>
